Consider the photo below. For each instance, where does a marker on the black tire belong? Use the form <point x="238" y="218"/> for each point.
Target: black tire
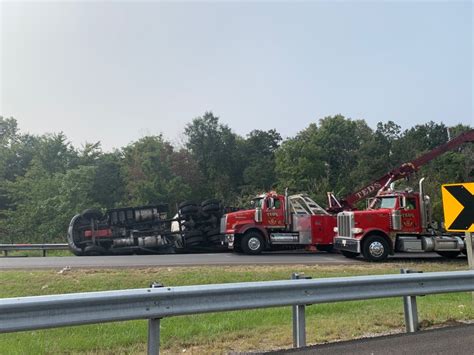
<point x="189" y="210"/>
<point x="252" y="243"/>
<point x="74" y="237"/>
<point x="194" y="241"/>
<point x="189" y="224"/>
<point x="237" y="246"/>
<point x="349" y="254"/>
<point x="192" y="233"/>
<point x="213" y="231"/>
<point x="325" y="247"/>
<point x="211" y="201"/>
<point x="186" y="203"/>
<point x="91" y="213"/>
<point x="449" y="254"/>
<point x="211" y="208"/>
<point x="211" y="221"/>
<point x="215" y="239"/>
<point x="375" y="248"/>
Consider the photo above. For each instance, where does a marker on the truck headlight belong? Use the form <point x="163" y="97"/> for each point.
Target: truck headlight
<point x="335" y="229"/>
<point x="357" y="230"/>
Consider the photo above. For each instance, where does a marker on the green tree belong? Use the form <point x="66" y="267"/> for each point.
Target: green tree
<point x="258" y="151"/>
<point x="216" y="150"/>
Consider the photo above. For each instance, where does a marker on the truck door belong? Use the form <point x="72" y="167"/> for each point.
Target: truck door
<point x="411" y="215"/>
<point x="274" y="212"/>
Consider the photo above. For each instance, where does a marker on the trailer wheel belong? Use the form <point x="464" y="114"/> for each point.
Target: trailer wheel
<point x="194" y="241"/>
<point x="449" y="254"/>
<point x="349" y="254"/>
<point x="375" y="248"/>
<point x="189" y="210"/>
<point x="211" y="208"/>
<point x="252" y="243"/>
<point x="193" y="238"/>
<point x="186" y="203"/>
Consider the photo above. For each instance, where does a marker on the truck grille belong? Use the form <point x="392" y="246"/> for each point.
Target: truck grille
<point x="345" y="223"/>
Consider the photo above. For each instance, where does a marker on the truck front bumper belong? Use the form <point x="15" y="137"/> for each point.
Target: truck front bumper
<point x="347" y="244"/>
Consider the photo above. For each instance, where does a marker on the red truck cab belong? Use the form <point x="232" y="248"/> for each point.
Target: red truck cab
<point x="277" y="222"/>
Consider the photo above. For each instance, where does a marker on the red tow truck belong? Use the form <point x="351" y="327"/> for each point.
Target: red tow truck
<point x="281" y="221"/>
<point x="398" y="221"/>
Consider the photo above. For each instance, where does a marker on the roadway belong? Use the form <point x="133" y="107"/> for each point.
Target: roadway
<point x="449" y="340"/>
<point x="118" y="261"/>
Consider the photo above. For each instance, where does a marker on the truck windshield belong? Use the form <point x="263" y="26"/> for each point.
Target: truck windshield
<point x="387" y="202"/>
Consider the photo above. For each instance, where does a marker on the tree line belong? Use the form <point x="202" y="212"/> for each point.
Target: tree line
<point x="45" y="180"/>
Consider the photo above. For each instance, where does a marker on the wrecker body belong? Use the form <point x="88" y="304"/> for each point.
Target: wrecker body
<point x="279" y="222"/>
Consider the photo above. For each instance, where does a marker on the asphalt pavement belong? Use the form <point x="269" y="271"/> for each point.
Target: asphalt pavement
<point x="457" y="340"/>
<point x="118" y="261"/>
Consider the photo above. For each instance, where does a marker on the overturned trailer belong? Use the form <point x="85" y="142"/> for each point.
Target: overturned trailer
<point x="147" y="229"/>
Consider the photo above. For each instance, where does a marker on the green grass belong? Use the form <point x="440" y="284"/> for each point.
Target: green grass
<point x="261" y="329"/>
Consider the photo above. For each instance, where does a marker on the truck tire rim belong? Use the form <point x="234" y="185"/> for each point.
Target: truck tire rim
<point x="376" y="249"/>
<point x="254" y="243"/>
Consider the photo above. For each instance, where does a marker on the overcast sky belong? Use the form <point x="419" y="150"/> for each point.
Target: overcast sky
<point x="116" y="71"/>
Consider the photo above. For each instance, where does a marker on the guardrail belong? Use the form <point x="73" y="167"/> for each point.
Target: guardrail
<point x="156" y="302"/>
<point x="44" y="247"/>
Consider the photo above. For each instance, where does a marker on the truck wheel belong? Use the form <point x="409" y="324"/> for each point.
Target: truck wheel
<point x="448" y="254"/>
<point x="375" y="248"/>
<point x="252" y="243"/>
<point x="349" y="254"/>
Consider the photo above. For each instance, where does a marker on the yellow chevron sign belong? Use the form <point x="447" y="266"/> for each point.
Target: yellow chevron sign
<point x="458" y="207"/>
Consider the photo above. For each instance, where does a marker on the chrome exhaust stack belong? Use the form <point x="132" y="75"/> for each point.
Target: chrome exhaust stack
<point x="422" y="204"/>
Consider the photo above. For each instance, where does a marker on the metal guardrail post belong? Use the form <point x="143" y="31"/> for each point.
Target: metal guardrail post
<point x="299" y="319"/>
<point x="410" y="308"/>
<point x="153" y="336"/>
<point x="154" y="330"/>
